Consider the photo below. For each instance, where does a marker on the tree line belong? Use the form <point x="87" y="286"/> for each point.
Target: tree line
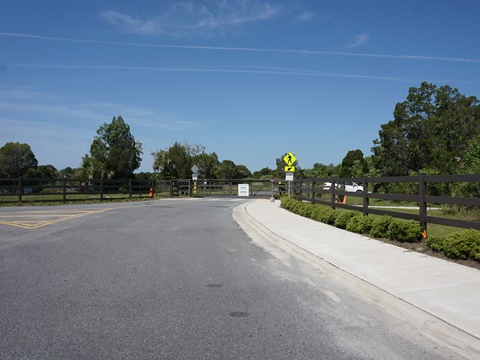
<point x="436" y="130"/>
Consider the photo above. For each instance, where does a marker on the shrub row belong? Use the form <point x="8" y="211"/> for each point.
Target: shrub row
<point x="464" y="244"/>
<point x="383" y="227"/>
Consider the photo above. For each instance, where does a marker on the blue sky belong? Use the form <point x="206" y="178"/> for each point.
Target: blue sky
<point x="249" y="80"/>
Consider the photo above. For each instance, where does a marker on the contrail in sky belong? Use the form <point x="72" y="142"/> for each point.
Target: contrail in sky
<point x="265" y="50"/>
<point x="268" y="71"/>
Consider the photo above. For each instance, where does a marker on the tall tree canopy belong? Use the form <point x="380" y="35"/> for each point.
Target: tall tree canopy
<point x="16" y="159"/>
<point x="176" y="162"/>
<point x="320" y="170"/>
<point x="43" y="171"/>
<point x="353" y="164"/>
<point x="430" y="130"/>
<point x="114" y="153"/>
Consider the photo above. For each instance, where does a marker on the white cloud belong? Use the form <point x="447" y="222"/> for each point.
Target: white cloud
<point x="305" y="16"/>
<point x="359" y="40"/>
<point x="181" y="18"/>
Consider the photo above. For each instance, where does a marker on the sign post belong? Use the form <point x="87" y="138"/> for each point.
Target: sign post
<point x="194" y="177"/>
<point x="289" y="169"/>
<point x="272" y="181"/>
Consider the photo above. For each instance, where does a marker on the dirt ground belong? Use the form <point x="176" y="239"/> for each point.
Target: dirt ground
<point x="421" y="248"/>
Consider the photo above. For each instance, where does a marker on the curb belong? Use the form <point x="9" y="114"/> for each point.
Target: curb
<point x="434" y="328"/>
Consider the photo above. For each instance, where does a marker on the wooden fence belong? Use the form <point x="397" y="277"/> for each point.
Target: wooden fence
<point x="23" y="190"/>
<point x="70" y="190"/>
<point x="424" y="191"/>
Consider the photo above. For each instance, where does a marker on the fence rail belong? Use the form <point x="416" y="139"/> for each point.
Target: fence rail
<point x="419" y="191"/>
<point x="228" y="187"/>
<point x="21" y="190"/>
<point x="422" y="190"/>
<point x="69" y="190"/>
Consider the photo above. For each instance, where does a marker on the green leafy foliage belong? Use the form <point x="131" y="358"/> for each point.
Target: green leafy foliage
<point x="16" y="160"/>
<point x="306" y="210"/>
<point x="114" y="153"/>
<point x="435" y="243"/>
<point x="462" y="245"/>
<point x="176" y="162"/>
<point x="320" y="170"/>
<point x="43" y="171"/>
<point x="353" y="164"/>
<point x="355" y="224"/>
<point x="380" y="227"/>
<point x="324" y="214"/>
<point x="360" y="224"/>
<point x="366" y="224"/>
<point x="342" y="220"/>
<point x="431" y="129"/>
<point x="404" y="231"/>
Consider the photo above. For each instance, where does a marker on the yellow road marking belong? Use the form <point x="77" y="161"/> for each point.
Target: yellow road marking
<point x="30" y="219"/>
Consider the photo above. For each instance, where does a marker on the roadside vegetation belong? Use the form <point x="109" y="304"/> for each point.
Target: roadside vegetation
<point x="435" y="131"/>
<point x="451" y="243"/>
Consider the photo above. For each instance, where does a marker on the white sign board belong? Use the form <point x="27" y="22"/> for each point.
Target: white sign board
<point x="243" y="190"/>
<point x="288" y="176"/>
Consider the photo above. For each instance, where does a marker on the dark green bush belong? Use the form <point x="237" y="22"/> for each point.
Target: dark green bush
<point x="342" y="220"/>
<point x="462" y="245"/>
<point x="355" y="224"/>
<point x="380" y="227"/>
<point x="305" y="209"/>
<point x="296" y="207"/>
<point x="435" y="243"/>
<point x="329" y="216"/>
<point x="290" y="204"/>
<point x="324" y="214"/>
<point x="286" y="202"/>
<point x="404" y="231"/>
<point x="366" y="224"/>
<point x="317" y="212"/>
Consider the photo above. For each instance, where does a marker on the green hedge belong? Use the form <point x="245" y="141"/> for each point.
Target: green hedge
<point x="342" y="220"/>
<point x="460" y="245"/>
<point x="464" y="245"/>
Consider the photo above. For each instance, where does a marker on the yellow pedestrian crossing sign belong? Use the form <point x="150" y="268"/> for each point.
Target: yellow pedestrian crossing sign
<point x="289" y="159"/>
<point x="289" y="169"/>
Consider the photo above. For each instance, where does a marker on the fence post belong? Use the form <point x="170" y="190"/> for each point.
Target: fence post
<point x="422" y="193"/>
<point x="20" y="190"/>
<point x="313" y="191"/>
<point x="332" y="191"/>
<point x="365" y="196"/>
<point x="64" y="190"/>
<point x="101" y="189"/>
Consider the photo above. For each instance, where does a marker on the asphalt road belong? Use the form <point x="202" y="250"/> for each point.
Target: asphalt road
<point x="175" y="279"/>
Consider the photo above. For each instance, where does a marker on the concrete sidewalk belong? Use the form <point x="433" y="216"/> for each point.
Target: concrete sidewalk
<point x="441" y="296"/>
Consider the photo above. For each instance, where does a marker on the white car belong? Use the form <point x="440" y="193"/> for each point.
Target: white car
<point x="350" y="186"/>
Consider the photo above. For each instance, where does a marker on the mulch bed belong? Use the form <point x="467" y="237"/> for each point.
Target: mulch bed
<point x="421" y="248"/>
